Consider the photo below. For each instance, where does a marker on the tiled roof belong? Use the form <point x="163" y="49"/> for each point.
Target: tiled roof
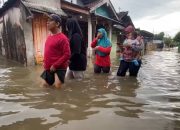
<point x="94" y="3"/>
<point x="122" y="14"/>
<point x="8" y="4"/>
<point x="85" y="2"/>
<point x="44" y="9"/>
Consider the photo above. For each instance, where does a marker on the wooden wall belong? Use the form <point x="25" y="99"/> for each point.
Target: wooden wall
<point x="40" y="34"/>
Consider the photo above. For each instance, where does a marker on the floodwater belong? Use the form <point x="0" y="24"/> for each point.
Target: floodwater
<point x="99" y="102"/>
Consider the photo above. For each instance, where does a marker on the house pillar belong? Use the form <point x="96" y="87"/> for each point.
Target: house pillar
<point x="89" y="36"/>
<point x="110" y="31"/>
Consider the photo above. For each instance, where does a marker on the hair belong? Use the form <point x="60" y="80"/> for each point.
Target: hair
<point x="56" y="18"/>
<point x="73" y="27"/>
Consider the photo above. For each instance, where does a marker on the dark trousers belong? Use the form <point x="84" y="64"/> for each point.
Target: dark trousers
<point x="98" y="69"/>
<point x="49" y="77"/>
<point x="124" y="66"/>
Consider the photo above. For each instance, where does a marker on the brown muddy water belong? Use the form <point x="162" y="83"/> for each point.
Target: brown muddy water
<point x="99" y="102"/>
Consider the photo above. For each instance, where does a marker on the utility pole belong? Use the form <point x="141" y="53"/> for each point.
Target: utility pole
<point x="119" y="9"/>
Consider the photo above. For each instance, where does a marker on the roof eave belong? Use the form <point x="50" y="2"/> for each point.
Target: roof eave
<point x="44" y="9"/>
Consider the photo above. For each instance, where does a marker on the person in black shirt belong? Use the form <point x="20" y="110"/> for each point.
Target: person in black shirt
<point x="78" y="60"/>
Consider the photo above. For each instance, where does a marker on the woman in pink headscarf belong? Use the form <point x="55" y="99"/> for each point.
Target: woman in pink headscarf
<point x="131" y="48"/>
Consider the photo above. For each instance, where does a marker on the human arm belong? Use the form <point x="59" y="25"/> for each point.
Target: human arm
<point x="138" y="47"/>
<point x="106" y="50"/>
<point x="94" y="42"/>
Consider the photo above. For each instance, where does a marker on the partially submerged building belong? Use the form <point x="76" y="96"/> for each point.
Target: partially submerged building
<point x="23" y="28"/>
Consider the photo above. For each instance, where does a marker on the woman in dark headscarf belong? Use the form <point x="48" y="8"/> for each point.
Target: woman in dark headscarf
<point x="78" y="60"/>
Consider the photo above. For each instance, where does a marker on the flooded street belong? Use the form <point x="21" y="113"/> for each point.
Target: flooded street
<point x="100" y="102"/>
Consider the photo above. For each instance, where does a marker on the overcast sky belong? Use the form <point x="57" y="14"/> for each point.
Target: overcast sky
<point x="152" y="15"/>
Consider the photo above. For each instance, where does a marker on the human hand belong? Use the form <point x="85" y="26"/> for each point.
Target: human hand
<point x="99" y="36"/>
<point x="96" y="48"/>
<point x="52" y="69"/>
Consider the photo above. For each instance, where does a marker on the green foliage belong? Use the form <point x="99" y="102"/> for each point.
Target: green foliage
<point x="168" y="41"/>
<point x="177" y="40"/>
<point x="177" y="37"/>
<point x="159" y="36"/>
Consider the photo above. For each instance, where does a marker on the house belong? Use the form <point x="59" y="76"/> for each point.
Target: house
<point x="81" y="13"/>
<point x="148" y="40"/>
<point x="92" y="15"/>
<point x="23" y="28"/>
<point x="159" y="44"/>
<point x="125" y="21"/>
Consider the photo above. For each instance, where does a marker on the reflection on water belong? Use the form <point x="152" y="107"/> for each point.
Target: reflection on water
<point x="148" y="102"/>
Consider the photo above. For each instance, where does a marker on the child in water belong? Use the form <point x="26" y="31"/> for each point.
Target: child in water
<point x="130" y="45"/>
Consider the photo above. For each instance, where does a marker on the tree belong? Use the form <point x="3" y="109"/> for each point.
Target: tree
<point x="177" y="37"/>
<point x="177" y="40"/>
<point x="159" y="36"/>
<point x="168" y="41"/>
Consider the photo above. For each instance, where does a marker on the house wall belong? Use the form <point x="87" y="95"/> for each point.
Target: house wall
<point x="12" y="33"/>
<point x="149" y="46"/>
<point x="28" y="36"/>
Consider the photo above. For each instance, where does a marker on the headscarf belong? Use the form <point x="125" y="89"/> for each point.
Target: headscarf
<point x="129" y="29"/>
<point x="104" y="41"/>
<point x="73" y="27"/>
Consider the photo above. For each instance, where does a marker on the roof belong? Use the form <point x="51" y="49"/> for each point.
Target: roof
<point x="86" y="2"/>
<point x="157" y="41"/>
<point x="122" y="14"/>
<point x="44" y="9"/>
<point x="92" y="3"/>
<point x="100" y="3"/>
<point x="33" y="7"/>
<point x="8" y="4"/>
<point x="125" y="19"/>
<point x="119" y="27"/>
<point x="115" y="21"/>
<point x="146" y="33"/>
<point x="68" y="6"/>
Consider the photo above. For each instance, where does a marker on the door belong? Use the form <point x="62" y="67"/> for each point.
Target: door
<point x="40" y="33"/>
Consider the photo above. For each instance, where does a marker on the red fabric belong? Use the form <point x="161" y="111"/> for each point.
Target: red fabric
<point x="105" y="60"/>
<point x="57" y="52"/>
<point x="127" y="54"/>
<point x="94" y="42"/>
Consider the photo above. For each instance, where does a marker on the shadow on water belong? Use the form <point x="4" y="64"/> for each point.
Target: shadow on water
<point x="149" y="102"/>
